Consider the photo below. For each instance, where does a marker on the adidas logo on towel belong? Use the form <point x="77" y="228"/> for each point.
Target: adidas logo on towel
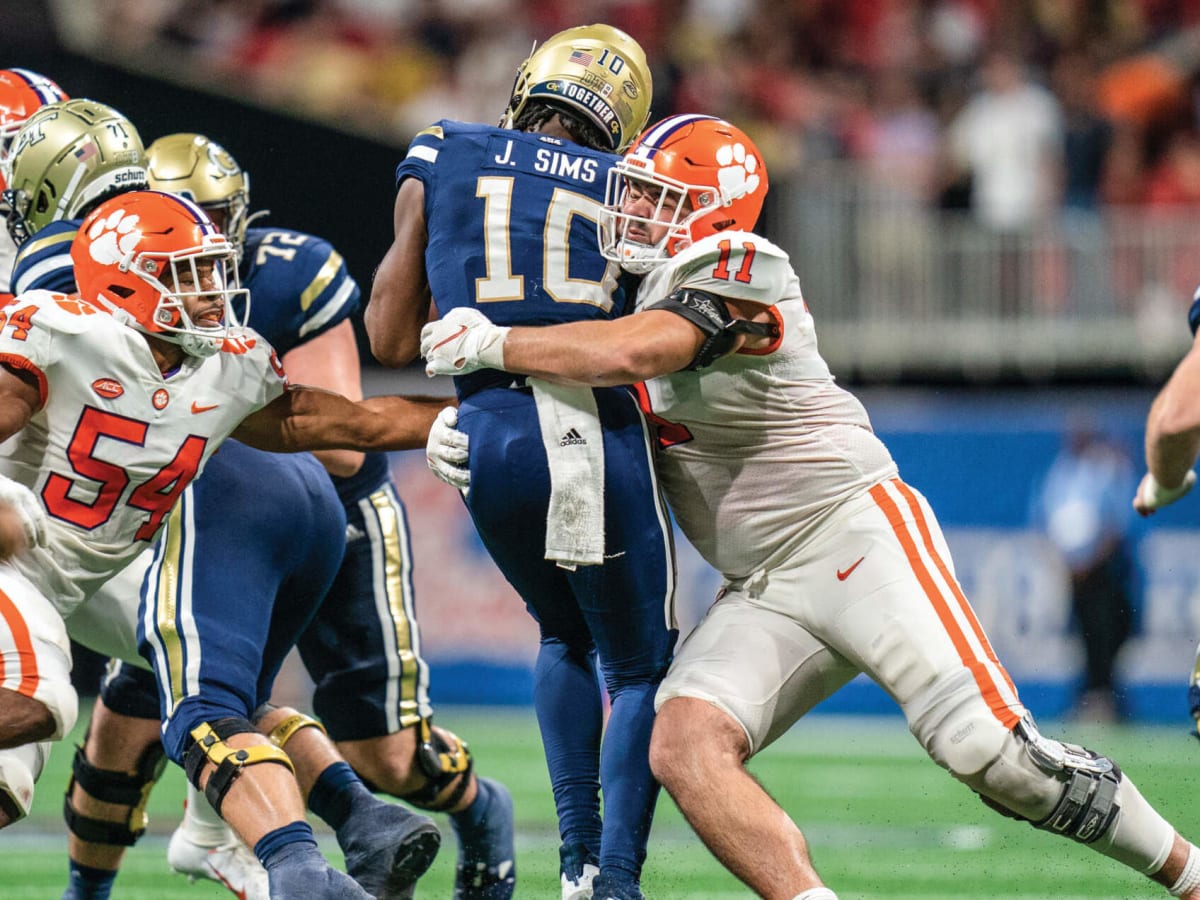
<point x="571" y="437"/>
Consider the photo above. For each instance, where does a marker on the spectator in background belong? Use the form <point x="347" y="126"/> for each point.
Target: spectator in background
<point x="1087" y="142"/>
<point x="1009" y="137"/>
<point x="1082" y="505"/>
<point x="899" y="147"/>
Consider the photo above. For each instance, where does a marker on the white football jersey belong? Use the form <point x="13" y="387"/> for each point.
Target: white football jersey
<point x="8" y="255"/>
<point x="114" y="443"/>
<point x="759" y="446"/>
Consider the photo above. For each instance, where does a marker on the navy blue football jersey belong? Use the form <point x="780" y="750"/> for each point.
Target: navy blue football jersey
<point x="503" y="196"/>
<point x="44" y="261"/>
<point x="299" y="286"/>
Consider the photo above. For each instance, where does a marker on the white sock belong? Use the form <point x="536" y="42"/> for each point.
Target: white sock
<point x="1189" y="878"/>
<point x="201" y="824"/>
<point x="817" y="893"/>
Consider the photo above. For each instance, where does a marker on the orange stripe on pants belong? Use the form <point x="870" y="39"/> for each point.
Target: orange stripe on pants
<point x="27" y="660"/>
<point x="963" y="605"/>
<point x="977" y="668"/>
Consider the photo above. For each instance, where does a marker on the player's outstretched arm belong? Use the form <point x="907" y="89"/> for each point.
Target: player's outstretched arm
<point x="330" y="361"/>
<point x="22" y="519"/>
<point x="622" y="351"/>
<point x="20" y="398"/>
<point x="400" y="296"/>
<point x="1172" y="437"/>
<point x="307" y="418"/>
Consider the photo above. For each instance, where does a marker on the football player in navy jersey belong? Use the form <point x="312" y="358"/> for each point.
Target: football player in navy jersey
<point x="504" y="218"/>
<point x="363" y="648"/>
<point x="218" y="620"/>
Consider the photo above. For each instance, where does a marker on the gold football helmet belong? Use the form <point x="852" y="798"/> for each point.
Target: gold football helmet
<point x="21" y="94"/>
<point x="67" y="157"/>
<point x="596" y="70"/>
<point x="200" y="169"/>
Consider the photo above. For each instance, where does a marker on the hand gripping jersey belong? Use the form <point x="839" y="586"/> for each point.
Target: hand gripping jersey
<point x="512" y="220"/>
<point x="114" y="443"/>
<point x="728" y="430"/>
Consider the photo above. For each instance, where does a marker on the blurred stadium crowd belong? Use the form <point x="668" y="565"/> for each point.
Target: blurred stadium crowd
<point x="1101" y="95"/>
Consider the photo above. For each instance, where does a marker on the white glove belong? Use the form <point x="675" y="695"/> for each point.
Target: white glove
<point x="446" y="450"/>
<point x="1152" y="496"/>
<point x="28" y="508"/>
<point x="462" y="341"/>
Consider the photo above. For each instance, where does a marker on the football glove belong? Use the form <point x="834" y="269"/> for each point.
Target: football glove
<point x="446" y="451"/>
<point x="1152" y="496"/>
<point x="462" y="341"/>
<point x="28" y="508"/>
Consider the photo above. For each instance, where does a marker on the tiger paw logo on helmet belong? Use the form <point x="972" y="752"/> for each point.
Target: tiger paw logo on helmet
<point x="114" y="237"/>
<point x="736" y="177"/>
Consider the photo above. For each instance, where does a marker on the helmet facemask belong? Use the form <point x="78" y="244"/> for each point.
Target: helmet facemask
<point x="705" y="177"/>
<point x="624" y="237"/>
<point x="207" y="275"/>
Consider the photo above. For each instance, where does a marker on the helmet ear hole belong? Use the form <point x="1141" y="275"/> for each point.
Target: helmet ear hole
<point x="121" y="291"/>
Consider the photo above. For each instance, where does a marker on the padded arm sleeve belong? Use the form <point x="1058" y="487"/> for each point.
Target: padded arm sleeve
<point x="709" y="313"/>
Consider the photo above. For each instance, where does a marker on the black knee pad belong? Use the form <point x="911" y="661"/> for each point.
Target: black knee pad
<point x="131" y="692"/>
<point x="114" y="787"/>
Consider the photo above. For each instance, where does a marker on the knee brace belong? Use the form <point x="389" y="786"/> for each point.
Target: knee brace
<point x="1087" y="804"/>
<point x="130" y="691"/>
<point x="113" y="787"/>
<point x="446" y="761"/>
<point x="207" y="744"/>
<point x="20" y="768"/>
<point x="283" y="732"/>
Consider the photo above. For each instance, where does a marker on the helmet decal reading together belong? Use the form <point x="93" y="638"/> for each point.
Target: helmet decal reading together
<point x="597" y="71"/>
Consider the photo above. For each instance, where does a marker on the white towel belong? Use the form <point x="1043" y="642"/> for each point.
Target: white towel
<point x="575" y="451"/>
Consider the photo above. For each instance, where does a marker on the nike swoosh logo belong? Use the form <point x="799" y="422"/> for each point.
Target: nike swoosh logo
<point x="462" y="329"/>
<point x="843" y="574"/>
<point x="197" y="408"/>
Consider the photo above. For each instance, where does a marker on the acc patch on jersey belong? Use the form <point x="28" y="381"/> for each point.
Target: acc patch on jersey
<point x="109" y="388"/>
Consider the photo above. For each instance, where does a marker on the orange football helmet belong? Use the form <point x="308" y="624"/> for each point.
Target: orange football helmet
<point x="21" y="93"/>
<point x="705" y="176"/>
<point x="146" y="256"/>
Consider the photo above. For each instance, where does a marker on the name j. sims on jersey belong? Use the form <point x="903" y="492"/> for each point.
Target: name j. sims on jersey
<point x="546" y="161"/>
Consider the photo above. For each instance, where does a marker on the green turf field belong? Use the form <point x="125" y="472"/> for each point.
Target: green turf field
<point x="882" y="821"/>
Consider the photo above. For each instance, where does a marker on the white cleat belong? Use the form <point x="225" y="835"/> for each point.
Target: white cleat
<point x="580" y="887"/>
<point x="231" y="864"/>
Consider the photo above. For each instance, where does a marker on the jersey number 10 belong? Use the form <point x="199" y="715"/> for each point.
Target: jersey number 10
<point x="501" y="283"/>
